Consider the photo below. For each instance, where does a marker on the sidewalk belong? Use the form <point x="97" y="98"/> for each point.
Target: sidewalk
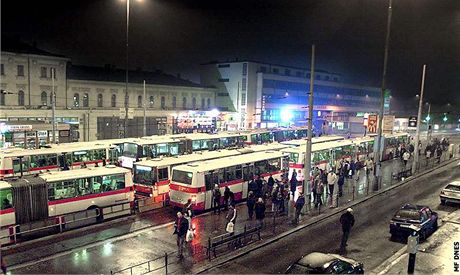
<point x="119" y="247"/>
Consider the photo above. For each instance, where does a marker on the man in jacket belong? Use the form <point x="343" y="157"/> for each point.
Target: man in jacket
<point x="250" y="204"/>
<point x="180" y="229"/>
<point x="347" y="220"/>
<point x="298" y="207"/>
<point x="260" y="211"/>
<point x="216" y="195"/>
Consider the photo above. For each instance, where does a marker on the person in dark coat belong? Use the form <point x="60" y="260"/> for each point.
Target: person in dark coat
<point x="340" y="183"/>
<point x="180" y="229"/>
<point x="259" y="185"/>
<point x="260" y="211"/>
<point x="250" y="204"/>
<point x="188" y="208"/>
<point x="347" y="220"/>
<point x="300" y="202"/>
<point x="293" y="182"/>
<point x="216" y="195"/>
<point x="227" y="197"/>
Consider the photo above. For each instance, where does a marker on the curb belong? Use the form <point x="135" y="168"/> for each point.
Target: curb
<point x="314" y="221"/>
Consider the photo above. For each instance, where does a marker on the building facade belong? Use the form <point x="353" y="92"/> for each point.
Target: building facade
<point x="270" y="95"/>
<point x="92" y="99"/>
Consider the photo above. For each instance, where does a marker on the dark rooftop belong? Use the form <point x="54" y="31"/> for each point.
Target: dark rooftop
<point x="16" y="45"/>
<point x="113" y="74"/>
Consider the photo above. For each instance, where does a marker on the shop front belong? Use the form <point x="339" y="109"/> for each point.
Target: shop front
<point x="32" y="135"/>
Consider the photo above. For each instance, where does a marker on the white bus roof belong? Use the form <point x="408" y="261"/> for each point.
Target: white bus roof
<point x="362" y="139"/>
<point x="199" y="156"/>
<point x="61" y="148"/>
<point x="83" y="173"/>
<point x="319" y="146"/>
<point x="149" y="141"/>
<point x="396" y="135"/>
<point x="299" y="142"/>
<point x="267" y="146"/>
<point x="228" y="161"/>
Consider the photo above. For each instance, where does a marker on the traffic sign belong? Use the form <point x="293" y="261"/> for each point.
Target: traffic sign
<point x="413" y="121"/>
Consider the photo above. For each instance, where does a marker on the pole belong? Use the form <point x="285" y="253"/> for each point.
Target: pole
<point x="53" y="105"/>
<point x="428" y="130"/>
<point x="144" y="128"/>
<point x="238" y="105"/>
<point x="307" y="164"/>
<point x="377" y="155"/>
<point x="127" y="64"/>
<point x="417" y="133"/>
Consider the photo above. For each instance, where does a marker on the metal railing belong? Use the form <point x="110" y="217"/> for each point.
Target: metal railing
<point x="146" y="267"/>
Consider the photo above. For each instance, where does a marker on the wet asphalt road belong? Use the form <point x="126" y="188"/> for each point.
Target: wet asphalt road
<point x="369" y="241"/>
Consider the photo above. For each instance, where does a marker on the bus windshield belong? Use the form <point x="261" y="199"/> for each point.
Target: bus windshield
<point x="182" y="177"/>
<point x="130" y="150"/>
<point x="144" y="175"/>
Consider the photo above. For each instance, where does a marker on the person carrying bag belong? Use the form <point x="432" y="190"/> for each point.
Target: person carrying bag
<point x="231" y="217"/>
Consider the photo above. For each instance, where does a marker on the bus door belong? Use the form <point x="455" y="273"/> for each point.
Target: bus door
<point x="20" y="166"/>
<point x="210" y="179"/>
<point x="248" y="176"/>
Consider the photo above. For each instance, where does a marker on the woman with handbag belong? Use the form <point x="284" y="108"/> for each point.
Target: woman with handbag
<point x="231" y="219"/>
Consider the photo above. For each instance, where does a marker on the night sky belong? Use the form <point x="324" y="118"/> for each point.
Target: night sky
<point x="177" y="35"/>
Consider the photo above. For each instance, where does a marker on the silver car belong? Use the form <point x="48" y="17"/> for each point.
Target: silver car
<point x="451" y="193"/>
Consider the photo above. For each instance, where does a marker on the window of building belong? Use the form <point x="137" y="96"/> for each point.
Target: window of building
<point x="203" y="103"/>
<point x="85" y="100"/>
<point x="151" y="101"/>
<point x="2" y="97"/>
<point x="43" y="71"/>
<point x="276" y="70"/>
<point x="263" y="69"/>
<point x="209" y="103"/>
<point x="100" y="100"/>
<point x="223" y="66"/>
<point x="21" y="101"/>
<point x="243" y="84"/>
<point x="184" y="103"/>
<point x="76" y="100"/>
<point x="20" y="70"/>
<point x="174" y="102"/>
<point x="193" y="103"/>
<point x="2" y="69"/>
<point x="287" y="72"/>
<point x="224" y="80"/>
<point x="139" y="101"/>
<point x="243" y="99"/>
<point x="163" y="102"/>
<point x="245" y="68"/>
<point x="44" y="98"/>
<point x="113" y="100"/>
<point x="298" y="74"/>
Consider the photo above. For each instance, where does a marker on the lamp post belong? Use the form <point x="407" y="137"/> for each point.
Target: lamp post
<point x="419" y="119"/>
<point x="377" y="155"/>
<point x="125" y="132"/>
<point x="428" y="119"/>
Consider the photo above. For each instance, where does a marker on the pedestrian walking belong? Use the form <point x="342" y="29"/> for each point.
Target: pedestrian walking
<point x="369" y="166"/>
<point x="340" y="183"/>
<point x="319" y="194"/>
<point x="231" y="219"/>
<point x="300" y="202"/>
<point x="293" y="182"/>
<point x="270" y="183"/>
<point x="216" y="195"/>
<point x="331" y="180"/>
<point x="188" y="208"/>
<point x="406" y="157"/>
<point x="250" y="204"/>
<point x="180" y="229"/>
<point x="260" y="212"/>
<point x="226" y="197"/>
<point x="347" y="220"/>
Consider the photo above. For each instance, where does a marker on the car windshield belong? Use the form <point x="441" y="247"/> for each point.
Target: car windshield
<point x="408" y="215"/>
<point x="298" y="269"/>
<point x="451" y="187"/>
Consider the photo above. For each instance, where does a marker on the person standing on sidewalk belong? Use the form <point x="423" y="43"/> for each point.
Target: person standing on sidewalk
<point x="340" y="183"/>
<point x="226" y="197"/>
<point x="293" y="182"/>
<point x="250" y="204"/>
<point x="180" y="229"/>
<point x="216" y="195"/>
<point x="347" y="220"/>
<point x="319" y="194"/>
<point x="406" y="157"/>
<point x="369" y="166"/>
<point x="300" y="202"/>
<point x="331" y="179"/>
<point x="231" y="216"/>
<point x="260" y="212"/>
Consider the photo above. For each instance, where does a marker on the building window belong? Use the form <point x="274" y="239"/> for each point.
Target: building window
<point x="163" y="102"/>
<point x="100" y="100"/>
<point x="184" y="103"/>
<point x="243" y="84"/>
<point x="299" y="74"/>
<point x="287" y="72"/>
<point x="243" y="99"/>
<point x="275" y="70"/>
<point x="21" y="98"/>
<point x="223" y="66"/>
<point x="245" y="68"/>
<point x="113" y="100"/>
<point x="139" y="101"/>
<point x="224" y="80"/>
<point x="174" y="102"/>
<point x="85" y="100"/>
<point x="203" y="103"/>
<point x="76" y="100"/>
<point x="43" y="72"/>
<point x="263" y="69"/>
<point x="2" y="69"/>
<point x="20" y="70"/>
<point x="193" y="103"/>
<point x="44" y="98"/>
<point x="2" y="97"/>
<point x="151" y="101"/>
<point x="209" y="103"/>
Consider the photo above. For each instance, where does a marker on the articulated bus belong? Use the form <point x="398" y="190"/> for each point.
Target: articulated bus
<point x="35" y="198"/>
<point x="261" y="136"/>
<point x="152" y="177"/>
<point x="303" y="142"/>
<point x="19" y="162"/>
<point x="196" y="180"/>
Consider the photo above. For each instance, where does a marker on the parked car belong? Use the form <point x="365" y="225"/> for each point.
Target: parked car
<point x="321" y="263"/>
<point x="412" y="216"/>
<point x="451" y="193"/>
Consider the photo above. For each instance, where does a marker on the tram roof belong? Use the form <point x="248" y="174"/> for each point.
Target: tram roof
<point x="83" y="173"/>
<point x="214" y="164"/>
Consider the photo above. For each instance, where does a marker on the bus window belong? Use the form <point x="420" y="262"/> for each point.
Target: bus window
<point x="293" y="157"/>
<point x="209" y="181"/>
<point x="162" y="149"/>
<point x="238" y="172"/>
<point x="230" y="173"/>
<point x="130" y="150"/>
<point x="147" y="152"/>
<point x="182" y="177"/>
<point x="80" y="156"/>
<point x="144" y="175"/>
<point x="274" y="165"/>
<point x="17" y="166"/>
<point x="42" y="160"/>
<point x="62" y="190"/>
<point x="174" y="149"/>
<point x="248" y="172"/>
<point x="196" y="145"/>
<point x="113" y="182"/>
<point x="221" y="175"/>
<point x="98" y="154"/>
<point x="261" y="167"/>
<point x="6" y="198"/>
<point x="113" y="155"/>
<point x="163" y="174"/>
